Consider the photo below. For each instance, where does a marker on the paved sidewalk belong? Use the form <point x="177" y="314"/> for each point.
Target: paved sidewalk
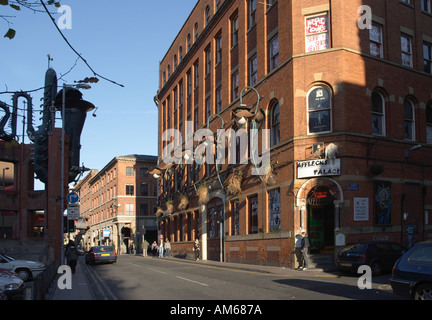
<point x="81" y="289"/>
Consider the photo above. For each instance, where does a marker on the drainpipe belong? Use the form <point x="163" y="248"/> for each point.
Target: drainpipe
<point x="203" y="232"/>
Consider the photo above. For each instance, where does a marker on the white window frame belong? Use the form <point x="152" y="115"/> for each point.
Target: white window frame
<point x="426" y="6"/>
<point x="410" y="121"/>
<point x="377" y="42"/>
<point x="381" y="115"/>
<point x="408" y="53"/>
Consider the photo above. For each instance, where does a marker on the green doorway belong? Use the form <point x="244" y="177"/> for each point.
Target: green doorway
<point x="321" y="221"/>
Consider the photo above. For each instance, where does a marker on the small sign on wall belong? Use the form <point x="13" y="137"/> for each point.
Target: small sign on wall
<point x="361" y="209"/>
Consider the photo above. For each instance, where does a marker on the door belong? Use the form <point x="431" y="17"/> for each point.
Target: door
<point x="321" y="220"/>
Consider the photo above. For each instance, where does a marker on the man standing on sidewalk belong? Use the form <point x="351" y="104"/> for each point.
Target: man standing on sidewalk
<point x="145" y="248"/>
<point x="304" y="250"/>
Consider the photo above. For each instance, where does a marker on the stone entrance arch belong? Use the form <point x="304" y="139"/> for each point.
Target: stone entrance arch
<point x="302" y="196"/>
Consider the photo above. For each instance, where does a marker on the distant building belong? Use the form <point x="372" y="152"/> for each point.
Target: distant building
<point x="119" y="203"/>
<point x="346" y="98"/>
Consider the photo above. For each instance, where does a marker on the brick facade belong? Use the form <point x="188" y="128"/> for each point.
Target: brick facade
<point x="337" y="85"/>
<point x="121" y="200"/>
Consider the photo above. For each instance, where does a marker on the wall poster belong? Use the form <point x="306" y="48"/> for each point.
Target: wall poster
<point x="382" y="202"/>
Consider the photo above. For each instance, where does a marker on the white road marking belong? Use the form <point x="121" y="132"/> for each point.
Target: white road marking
<point x="200" y="283"/>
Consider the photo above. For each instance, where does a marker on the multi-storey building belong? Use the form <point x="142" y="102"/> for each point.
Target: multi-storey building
<point x="344" y="90"/>
<point x="119" y="203"/>
<point x="30" y="223"/>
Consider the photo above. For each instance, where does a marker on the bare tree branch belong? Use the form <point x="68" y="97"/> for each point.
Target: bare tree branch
<point x="73" y="49"/>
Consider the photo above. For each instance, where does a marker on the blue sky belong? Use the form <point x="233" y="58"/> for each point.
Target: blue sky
<point x="121" y="40"/>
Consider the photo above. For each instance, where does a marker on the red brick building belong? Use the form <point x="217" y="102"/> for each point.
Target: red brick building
<point x="118" y="202"/>
<point x="345" y="93"/>
<point x="30" y="221"/>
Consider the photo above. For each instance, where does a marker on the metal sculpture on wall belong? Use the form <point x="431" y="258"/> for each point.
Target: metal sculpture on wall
<point x="40" y="137"/>
<point x="10" y="119"/>
<point x="4" y="121"/>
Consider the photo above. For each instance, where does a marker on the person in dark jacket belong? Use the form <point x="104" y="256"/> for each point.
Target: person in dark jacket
<point x="304" y="250"/>
<point x="197" y="249"/>
<point x="72" y="255"/>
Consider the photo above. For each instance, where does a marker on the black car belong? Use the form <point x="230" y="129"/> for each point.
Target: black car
<point x="101" y="254"/>
<point x="412" y="273"/>
<point x="379" y="255"/>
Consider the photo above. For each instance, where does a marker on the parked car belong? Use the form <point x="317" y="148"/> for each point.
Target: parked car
<point x="412" y="273"/>
<point x="10" y="284"/>
<point x="80" y="251"/>
<point x="379" y="255"/>
<point x="26" y="270"/>
<point x="2" y="295"/>
<point x="100" y="254"/>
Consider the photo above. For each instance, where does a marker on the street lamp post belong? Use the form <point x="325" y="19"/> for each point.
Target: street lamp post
<point x="62" y="193"/>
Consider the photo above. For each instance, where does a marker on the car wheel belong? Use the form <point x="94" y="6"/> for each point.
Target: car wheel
<point x="376" y="268"/>
<point x="24" y="274"/>
<point x="424" y="292"/>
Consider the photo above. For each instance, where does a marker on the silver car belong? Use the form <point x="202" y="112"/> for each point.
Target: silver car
<point x="26" y="270"/>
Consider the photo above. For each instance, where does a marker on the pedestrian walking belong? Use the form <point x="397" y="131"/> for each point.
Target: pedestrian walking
<point x="161" y="249"/>
<point x="145" y="248"/>
<point x="72" y="255"/>
<point x="197" y="249"/>
<point x="167" y="248"/>
<point x="304" y="251"/>
<point x="298" y="252"/>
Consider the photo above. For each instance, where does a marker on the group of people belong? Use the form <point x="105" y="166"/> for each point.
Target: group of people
<point x="162" y="249"/>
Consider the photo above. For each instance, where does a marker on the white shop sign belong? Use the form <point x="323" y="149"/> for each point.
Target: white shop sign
<point x="318" y="168"/>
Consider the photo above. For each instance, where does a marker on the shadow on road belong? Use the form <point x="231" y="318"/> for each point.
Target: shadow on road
<point x="343" y="291"/>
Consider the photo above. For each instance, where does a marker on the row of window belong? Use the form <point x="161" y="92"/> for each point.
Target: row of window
<point x="319" y="109"/>
<point x="129" y="210"/>
<point x="215" y="215"/>
<point x="176" y="100"/>
<point x="252" y="5"/>
<point x="425" y="5"/>
<point x="317" y="38"/>
<point x="189" y="43"/>
<point x="407" y="54"/>
<point x="409" y="127"/>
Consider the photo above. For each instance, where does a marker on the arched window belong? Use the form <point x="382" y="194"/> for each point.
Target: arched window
<point x="275" y="123"/>
<point x="319" y="110"/>
<point x="429" y="123"/>
<point x="378" y="114"/>
<point x="409" y="120"/>
<point x="180" y="54"/>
